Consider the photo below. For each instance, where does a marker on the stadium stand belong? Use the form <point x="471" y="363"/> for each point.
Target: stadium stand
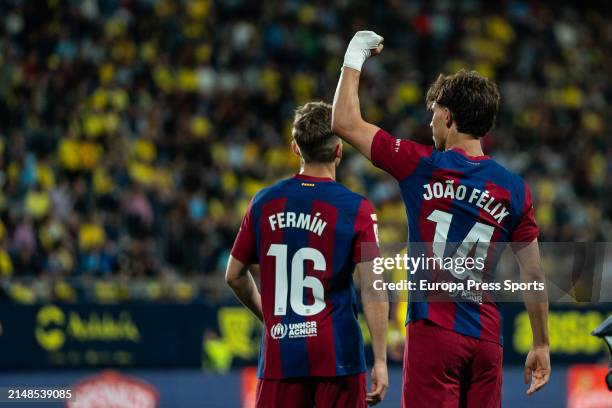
<point x="134" y="133"/>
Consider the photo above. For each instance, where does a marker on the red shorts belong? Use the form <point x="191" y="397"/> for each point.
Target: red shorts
<point x="447" y="369"/>
<point x="324" y="392"/>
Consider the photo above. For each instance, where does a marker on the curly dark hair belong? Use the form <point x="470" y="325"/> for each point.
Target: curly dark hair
<point x="312" y="132"/>
<point x="472" y="99"/>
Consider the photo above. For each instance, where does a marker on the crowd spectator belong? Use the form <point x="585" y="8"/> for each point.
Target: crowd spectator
<point x="133" y="133"/>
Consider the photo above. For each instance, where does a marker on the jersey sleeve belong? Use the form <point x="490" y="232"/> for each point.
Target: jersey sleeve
<point x="244" y="248"/>
<point x="366" y="234"/>
<point x="526" y="229"/>
<point x="398" y="157"/>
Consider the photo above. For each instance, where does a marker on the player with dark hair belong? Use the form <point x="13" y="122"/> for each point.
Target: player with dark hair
<point x="307" y="234"/>
<point x="453" y="354"/>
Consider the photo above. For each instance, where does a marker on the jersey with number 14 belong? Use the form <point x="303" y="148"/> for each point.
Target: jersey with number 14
<point x="451" y="197"/>
<point x="307" y="234"/>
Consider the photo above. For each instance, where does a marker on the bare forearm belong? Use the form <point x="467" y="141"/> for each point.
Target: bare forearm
<point x="346" y="110"/>
<point x="538" y="318"/>
<point x="375" y="309"/>
<point x="346" y="114"/>
<point x="377" y="315"/>
<point x="536" y="302"/>
<point x="245" y="289"/>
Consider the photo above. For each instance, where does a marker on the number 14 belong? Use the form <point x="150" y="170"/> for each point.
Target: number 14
<point x="480" y="235"/>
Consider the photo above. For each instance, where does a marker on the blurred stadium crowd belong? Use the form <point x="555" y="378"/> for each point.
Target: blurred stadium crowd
<point x="133" y="133"/>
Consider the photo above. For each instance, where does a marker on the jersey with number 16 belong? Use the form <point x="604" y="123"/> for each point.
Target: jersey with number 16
<point x="307" y="234"/>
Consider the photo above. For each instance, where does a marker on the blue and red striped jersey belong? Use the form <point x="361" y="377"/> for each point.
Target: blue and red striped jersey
<point x="307" y="234"/>
<point x="452" y="197"/>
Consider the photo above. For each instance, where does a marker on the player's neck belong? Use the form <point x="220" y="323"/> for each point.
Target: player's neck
<point x="323" y="170"/>
<point x="465" y="142"/>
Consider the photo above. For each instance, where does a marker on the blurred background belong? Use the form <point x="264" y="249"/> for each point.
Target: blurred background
<point x="133" y="133"/>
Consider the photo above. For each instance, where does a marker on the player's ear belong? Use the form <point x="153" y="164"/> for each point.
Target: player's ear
<point x="448" y="118"/>
<point x="339" y="150"/>
<point x="295" y="148"/>
<point x="338" y="153"/>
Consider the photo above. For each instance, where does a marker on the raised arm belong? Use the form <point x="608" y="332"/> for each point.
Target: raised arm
<point x="537" y="364"/>
<point x="346" y="114"/>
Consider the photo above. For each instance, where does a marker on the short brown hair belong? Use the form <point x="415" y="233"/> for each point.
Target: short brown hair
<point x="312" y="132"/>
<point x="472" y="99"/>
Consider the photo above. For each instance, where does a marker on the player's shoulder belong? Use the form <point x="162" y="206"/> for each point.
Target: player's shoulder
<point x="347" y="194"/>
<point x="404" y="144"/>
<point x="514" y="183"/>
<point x="512" y="178"/>
<point x="271" y="192"/>
<point x="332" y="192"/>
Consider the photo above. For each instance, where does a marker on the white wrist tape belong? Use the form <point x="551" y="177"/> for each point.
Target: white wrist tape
<point x="359" y="49"/>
